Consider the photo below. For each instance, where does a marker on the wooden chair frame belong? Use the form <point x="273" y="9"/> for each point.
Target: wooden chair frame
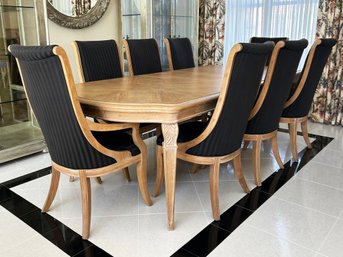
<point x="214" y="162"/>
<point x="169" y="55"/>
<point x="123" y="158"/>
<point x="258" y="138"/>
<point x="292" y="122"/>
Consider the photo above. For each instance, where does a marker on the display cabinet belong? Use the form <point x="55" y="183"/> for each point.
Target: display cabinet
<point x="22" y="22"/>
<point x="159" y="19"/>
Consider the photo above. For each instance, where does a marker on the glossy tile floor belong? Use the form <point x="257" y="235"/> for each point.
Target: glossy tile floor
<point x="300" y="215"/>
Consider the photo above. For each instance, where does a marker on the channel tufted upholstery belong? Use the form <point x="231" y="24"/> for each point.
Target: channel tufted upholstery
<point x="180" y="53"/>
<point x="220" y="139"/>
<point x="97" y="60"/>
<point x="77" y="146"/>
<point x="143" y="56"/>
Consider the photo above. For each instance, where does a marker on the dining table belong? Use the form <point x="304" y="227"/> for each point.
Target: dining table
<point x="167" y="98"/>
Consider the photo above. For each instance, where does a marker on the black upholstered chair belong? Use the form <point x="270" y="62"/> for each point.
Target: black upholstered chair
<point x="299" y="103"/>
<point x="143" y="56"/>
<point x="77" y="146"/>
<point x="265" y="116"/>
<point x="219" y="140"/>
<point x="97" y="60"/>
<point x="179" y="52"/>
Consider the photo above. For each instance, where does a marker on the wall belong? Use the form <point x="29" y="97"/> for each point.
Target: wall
<point x="106" y="28"/>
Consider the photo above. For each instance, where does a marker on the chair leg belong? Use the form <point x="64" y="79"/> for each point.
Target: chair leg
<point x="142" y="177"/>
<point x="55" y="179"/>
<point x="256" y="161"/>
<point x="127" y="174"/>
<point x="305" y="134"/>
<point x="195" y="167"/>
<point x="159" y="171"/>
<point x="245" y="145"/>
<point x="96" y="179"/>
<point x="293" y="135"/>
<point x="71" y="179"/>
<point x="276" y="151"/>
<point x="86" y="204"/>
<point x="237" y="165"/>
<point x="214" y="181"/>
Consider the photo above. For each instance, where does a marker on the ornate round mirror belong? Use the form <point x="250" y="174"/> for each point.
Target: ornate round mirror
<point x="76" y="14"/>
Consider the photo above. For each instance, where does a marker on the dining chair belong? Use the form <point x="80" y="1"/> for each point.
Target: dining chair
<point x="77" y="146"/>
<point x="142" y="55"/>
<point x="219" y="140"/>
<point x="179" y="53"/>
<point x="97" y="60"/>
<point x="265" y="115"/>
<point x="298" y="105"/>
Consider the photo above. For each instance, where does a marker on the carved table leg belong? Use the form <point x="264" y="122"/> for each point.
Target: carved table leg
<point x="170" y="133"/>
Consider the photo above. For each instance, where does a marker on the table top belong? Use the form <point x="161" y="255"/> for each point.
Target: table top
<point x="165" y="97"/>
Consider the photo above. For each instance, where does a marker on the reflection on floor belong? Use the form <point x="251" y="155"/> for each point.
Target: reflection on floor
<point x="301" y="219"/>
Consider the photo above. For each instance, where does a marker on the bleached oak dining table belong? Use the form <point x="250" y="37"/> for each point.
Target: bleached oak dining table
<point x="167" y="98"/>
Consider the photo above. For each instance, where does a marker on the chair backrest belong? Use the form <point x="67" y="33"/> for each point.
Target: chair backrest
<point x="265" y="39"/>
<point x="268" y="108"/>
<point x="243" y="74"/>
<point x="97" y="60"/>
<point x="180" y="53"/>
<point x="49" y="86"/>
<point x="143" y="56"/>
<point x="299" y="103"/>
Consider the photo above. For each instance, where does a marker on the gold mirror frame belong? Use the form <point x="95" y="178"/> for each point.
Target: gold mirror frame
<point x="80" y="22"/>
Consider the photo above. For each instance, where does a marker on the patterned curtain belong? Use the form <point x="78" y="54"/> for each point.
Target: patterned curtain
<point x="80" y="7"/>
<point x="328" y="101"/>
<point x="211" y="31"/>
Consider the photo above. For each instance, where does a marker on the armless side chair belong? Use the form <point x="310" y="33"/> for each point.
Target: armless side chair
<point x="219" y="140"/>
<point x="77" y="146"/>
<point x="265" y="116"/>
<point x="142" y="56"/>
<point x="179" y="53"/>
<point x="98" y="60"/>
<point x="299" y="103"/>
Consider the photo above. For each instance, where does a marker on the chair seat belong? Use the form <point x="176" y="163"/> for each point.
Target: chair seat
<point x="187" y="131"/>
<point x="116" y="140"/>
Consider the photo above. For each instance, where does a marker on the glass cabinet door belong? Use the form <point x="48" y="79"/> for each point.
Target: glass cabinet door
<point x="20" y="134"/>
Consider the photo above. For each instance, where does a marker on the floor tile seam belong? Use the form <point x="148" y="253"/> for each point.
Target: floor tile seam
<point x="327" y="235"/>
<point x="305" y="207"/>
<point x="199" y="199"/>
<point x="325" y="164"/>
<point x="276" y="236"/>
<point x="318" y="183"/>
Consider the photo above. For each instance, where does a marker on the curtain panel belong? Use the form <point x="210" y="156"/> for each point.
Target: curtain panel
<point x="211" y="32"/>
<point x="327" y="104"/>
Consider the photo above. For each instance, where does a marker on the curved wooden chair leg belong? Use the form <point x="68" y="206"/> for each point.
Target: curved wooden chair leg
<point x="195" y="167"/>
<point x="214" y="181"/>
<point x="126" y="173"/>
<point x="256" y="161"/>
<point x="276" y="151"/>
<point x="55" y="179"/>
<point x="142" y="177"/>
<point x="86" y="203"/>
<point x="245" y="145"/>
<point x="159" y="171"/>
<point x="237" y="165"/>
<point x="305" y="134"/>
<point x="98" y="180"/>
<point x="293" y="136"/>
